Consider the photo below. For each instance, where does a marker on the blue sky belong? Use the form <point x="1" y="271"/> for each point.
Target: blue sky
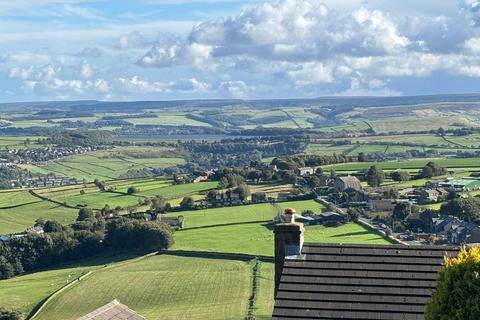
<point x="185" y="49"/>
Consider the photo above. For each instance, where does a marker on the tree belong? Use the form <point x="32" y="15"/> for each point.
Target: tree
<point x="468" y="208"/>
<point x="132" y="190"/>
<point x="85" y="214"/>
<point x="289" y="177"/>
<point x="401" y="211"/>
<point x="353" y="214"/>
<point x="10" y="315"/>
<point x="361" y="157"/>
<point x="375" y="176"/>
<point x="52" y="226"/>
<point x="243" y="191"/>
<point x="458" y="288"/>
<point x="400" y="176"/>
<point x="432" y="169"/>
<point x="187" y="203"/>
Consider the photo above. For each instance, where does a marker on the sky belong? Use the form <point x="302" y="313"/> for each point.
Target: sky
<point x="186" y="49"/>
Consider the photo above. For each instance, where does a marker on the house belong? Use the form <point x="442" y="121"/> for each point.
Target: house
<point x="283" y="196"/>
<point x="428" y="195"/>
<point x="173" y="222"/>
<point x="113" y="311"/>
<point x="465" y="232"/>
<point x="259" y="197"/>
<point x="352" y="281"/>
<point x="329" y="218"/>
<point x="305" y="171"/>
<point x="381" y="205"/>
<point x="443" y="224"/>
<point x="347" y="182"/>
<point x="197" y="179"/>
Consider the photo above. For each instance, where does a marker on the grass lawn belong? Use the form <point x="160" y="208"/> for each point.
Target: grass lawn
<point x="163" y="287"/>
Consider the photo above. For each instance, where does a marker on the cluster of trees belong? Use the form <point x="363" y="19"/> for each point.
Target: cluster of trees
<point x="85" y="138"/>
<point x="240" y="152"/>
<point x="375" y="176"/>
<point x="89" y="235"/>
<point x="10" y="315"/>
<point x="12" y="173"/>
<point x="432" y="169"/>
<point x="293" y="162"/>
<point x="464" y="208"/>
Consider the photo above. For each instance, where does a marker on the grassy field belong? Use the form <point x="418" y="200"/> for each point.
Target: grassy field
<point x="109" y="164"/>
<point x="248" y="229"/>
<point x="15" y="198"/>
<point x="168" y="119"/>
<point x="19" y="218"/>
<point x="452" y="163"/>
<point x="171" y="287"/>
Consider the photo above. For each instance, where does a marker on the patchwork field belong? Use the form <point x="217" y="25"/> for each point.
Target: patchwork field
<point x="452" y="163"/>
<point x="109" y="164"/>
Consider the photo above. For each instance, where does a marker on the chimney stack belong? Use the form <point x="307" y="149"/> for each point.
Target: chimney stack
<point x="288" y="242"/>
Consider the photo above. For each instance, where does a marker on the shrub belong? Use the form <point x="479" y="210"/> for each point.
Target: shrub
<point x="458" y="290"/>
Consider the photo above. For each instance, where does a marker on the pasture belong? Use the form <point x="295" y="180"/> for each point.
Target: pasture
<point x="248" y="229"/>
<point x="110" y="164"/>
<point x="451" y="163"/>
<point x="163" y="287"/>
<point x="19" y="218"/>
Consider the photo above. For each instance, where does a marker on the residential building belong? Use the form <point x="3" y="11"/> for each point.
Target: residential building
<point x="305" y="171"/>
<point x="346" y="182"/>
<point x="352" y="281"/>
<point x="381" y="205"/>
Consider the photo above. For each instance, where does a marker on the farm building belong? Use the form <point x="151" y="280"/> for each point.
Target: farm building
<point x="305" y="171"/>
<point x="113" y="311"/>
<point x="259" y="197"/>
<point x="352" y="281"/>
<point x="330" y="217"/>
<point x="347" y="182"/>
<point x="461" y="184"/>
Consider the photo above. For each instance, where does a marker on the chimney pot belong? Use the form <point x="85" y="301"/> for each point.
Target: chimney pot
<point x="289" y="215"/>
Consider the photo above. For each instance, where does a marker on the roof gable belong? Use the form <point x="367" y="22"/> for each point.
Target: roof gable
<point x="113" y="311"/>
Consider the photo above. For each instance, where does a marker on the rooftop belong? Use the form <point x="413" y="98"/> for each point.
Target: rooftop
<point x="335" y="281"/>
<point x="113" y="311"/>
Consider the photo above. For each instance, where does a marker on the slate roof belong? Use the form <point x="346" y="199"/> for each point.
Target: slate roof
<point x="351" y="282"/>
<point x="113" y="311"/>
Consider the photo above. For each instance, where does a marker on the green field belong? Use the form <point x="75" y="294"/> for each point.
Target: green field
<point x="184" y="285"/>
<point x="171" y="287"/>
<point x="110" y="164"/>
<point x="19" y="218"/>
<point x="452" y="163"/>
<point x="248" y="229"/>
<point x="15" y="198"/>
